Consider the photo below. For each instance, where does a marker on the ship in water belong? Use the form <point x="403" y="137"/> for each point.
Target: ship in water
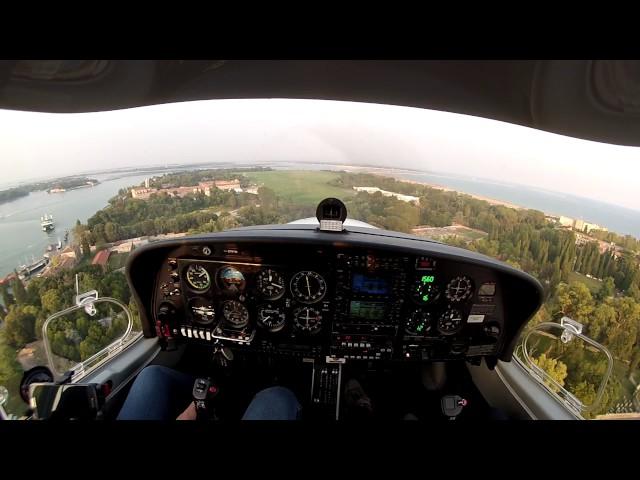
<point x="46" y="222"/>
<point x="27" y="270"/>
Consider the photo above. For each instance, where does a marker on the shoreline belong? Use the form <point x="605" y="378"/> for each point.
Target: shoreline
<point x="392" y="172"/>
<point x="70" y="189"/>
<point x="491" y="201"/>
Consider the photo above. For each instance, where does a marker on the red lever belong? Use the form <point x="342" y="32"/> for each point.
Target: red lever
<point x="107" y="388"/>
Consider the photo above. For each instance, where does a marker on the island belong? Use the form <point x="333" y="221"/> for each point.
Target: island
<point x="57" y="185"/>
<point x="72" y="184"/>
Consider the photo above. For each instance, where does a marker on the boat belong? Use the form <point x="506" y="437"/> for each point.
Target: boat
<point x="55" y="246"/>
<point x="46" y="222"/>
<point x="25" y="271"/>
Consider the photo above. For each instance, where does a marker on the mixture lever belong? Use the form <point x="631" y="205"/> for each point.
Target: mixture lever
<point x="222" y="355"/>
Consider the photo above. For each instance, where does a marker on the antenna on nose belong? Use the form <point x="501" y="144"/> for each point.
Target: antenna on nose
<point x="331" y="213"/>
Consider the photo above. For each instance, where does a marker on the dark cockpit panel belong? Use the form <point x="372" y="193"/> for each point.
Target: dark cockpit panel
<point x="351" y="296"/>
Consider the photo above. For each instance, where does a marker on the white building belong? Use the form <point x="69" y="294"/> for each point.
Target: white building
<point x="593" y="226"/>
<point x="399" y="196"/>
<point x="566" y="221"/>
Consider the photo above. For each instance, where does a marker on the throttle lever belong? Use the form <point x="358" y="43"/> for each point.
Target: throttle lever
<point x="452" y="405"/>
<point x="204" y="392"/>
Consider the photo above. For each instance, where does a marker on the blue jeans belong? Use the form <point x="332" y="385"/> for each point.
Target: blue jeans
<point x="160" y="393"/>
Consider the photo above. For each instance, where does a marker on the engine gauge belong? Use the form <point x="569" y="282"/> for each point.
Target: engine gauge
<point x="231" y="280"/>
<point x="418" y="323"/>
<point x="197" y="277"/>
<point x="450" y="322"/>
<point x="235" y="314"/>
<point x="271" y="284"/>
<point x="202" y="310"/>
<point x="307" y="319"/>
<point x="271" y="318"/>
<point x="425" y="290"/>
<point x="459" y="289"/>
<point x="308" y="287"/>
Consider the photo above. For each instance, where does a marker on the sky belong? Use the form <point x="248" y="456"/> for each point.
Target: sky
<point x="38" y="145"/>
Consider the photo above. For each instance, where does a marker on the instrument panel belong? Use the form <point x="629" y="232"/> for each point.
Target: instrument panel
<point x="326" y="300"/>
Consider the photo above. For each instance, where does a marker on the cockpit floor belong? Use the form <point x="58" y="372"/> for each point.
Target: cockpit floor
<point x="396" y="392"/>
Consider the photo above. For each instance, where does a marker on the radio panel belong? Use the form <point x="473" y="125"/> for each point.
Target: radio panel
<point x="369" y="300"/>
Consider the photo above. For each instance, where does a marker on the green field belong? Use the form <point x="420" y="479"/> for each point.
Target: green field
<point x="302" y="187"/>
<point x="593" y="284"/>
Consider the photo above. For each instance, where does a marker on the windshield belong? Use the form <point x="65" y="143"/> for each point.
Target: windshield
<point x="80" y="192"/>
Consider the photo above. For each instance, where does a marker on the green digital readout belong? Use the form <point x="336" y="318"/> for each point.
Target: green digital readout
<point x="367" y="310"/>
<point x="425" y="289"/>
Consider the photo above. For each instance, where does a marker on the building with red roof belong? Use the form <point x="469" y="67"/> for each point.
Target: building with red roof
<point x="101" y="258"/>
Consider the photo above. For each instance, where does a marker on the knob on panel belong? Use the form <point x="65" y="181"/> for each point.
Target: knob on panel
<point x="166" y="312"/>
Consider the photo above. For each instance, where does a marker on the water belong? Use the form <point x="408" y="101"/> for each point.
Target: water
<point x="21" y="237"/>
<point x="616" y="218"/>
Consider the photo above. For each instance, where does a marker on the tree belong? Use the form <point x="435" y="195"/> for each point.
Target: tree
<point x="135" y="314"/>
<point x="607" y="289"/>
<point x="553" y="367"/>
<point x="634" y="291"/>
<point x="79" y="230"/>
<point x="573" y="300"/>
<point x="634" y="362"/>
<point x="226" y="222"/>
<point x="110" y="232"/>
<point x="541" y="316"/>
<point x="19" y="327"/>
<point x="7" y="298"/>
<point x="622" y="333"/>
<point x="603" y="316"/>
<point x="514" y="264"/>
<point x="86" y="247"/>
<point x="627" y="271"/>
<point x="585" y="392"/>
<point x="267" y="198"/>
<point x="10" y="376"/>
<point x="51" y="301"/>
<point x="19" y="292"/>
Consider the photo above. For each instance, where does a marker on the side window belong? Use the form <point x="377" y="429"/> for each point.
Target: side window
<point x="583" y="347"/>
<point x="81" y="337"/>
<point x="570" y="365"/>
<point x="74" y="339"/>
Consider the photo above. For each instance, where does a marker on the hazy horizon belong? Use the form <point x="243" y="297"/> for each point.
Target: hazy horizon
<point x="38" y="146"/>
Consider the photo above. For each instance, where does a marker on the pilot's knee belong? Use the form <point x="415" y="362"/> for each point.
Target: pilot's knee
<point x="273" y="403"/>
<point x="497" y="414"/>
<point x="153" y="374"/>
<point x="277" y="394"/>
